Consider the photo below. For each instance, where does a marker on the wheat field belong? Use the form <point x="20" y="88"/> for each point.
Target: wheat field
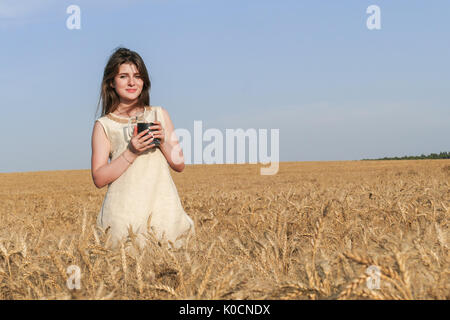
<point x="309" y="232"/>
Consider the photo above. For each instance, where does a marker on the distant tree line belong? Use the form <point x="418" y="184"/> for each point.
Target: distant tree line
<point x="442" y="155"/>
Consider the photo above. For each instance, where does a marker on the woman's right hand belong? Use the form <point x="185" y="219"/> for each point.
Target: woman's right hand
<point x="141" y="142"/>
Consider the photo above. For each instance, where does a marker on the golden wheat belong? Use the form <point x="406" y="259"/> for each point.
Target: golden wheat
<point x="308" y="232"/>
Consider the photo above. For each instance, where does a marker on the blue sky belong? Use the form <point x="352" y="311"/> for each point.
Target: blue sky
<point x="312" y="69"/>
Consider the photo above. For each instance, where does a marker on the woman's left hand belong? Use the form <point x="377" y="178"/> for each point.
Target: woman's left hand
<point x="159" y="133"/>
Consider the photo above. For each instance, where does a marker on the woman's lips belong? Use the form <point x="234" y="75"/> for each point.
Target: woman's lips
<point x="131" y="90"/>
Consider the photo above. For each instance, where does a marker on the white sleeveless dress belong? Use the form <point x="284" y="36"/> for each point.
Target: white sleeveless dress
<point x="144" y="197"/>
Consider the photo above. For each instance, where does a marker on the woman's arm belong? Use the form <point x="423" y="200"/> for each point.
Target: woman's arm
<point x="103" y="172"/>
<point x="171" y="147"/>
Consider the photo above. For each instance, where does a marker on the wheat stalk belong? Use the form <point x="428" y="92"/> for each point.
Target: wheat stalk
<point x="405" y="274"/>
<point x="165" y="288"/>
<point x="139" y="274"/>
<point x="179" y="269"/>
<point x="83" y="225"/>
<point x="35" y="288"/>
<point x="204" y="281"/>
<point x="352" y="286"/>
<point x="59" y="266"/>
<point x="224" y="279"/>
<point x="124" y="265"/>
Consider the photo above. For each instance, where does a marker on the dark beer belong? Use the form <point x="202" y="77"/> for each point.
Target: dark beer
<point x="144" y="126"/>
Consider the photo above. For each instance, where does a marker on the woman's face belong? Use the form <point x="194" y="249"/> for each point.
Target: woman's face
<point x="128" y="82"/>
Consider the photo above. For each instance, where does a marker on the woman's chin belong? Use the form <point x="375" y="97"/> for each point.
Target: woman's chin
<point x="130" y="97"/>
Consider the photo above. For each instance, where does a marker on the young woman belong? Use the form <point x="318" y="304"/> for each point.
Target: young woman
<point x="141" y="195"/>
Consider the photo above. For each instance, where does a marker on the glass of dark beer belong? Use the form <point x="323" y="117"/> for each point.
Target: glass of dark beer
<point x="142" y="125"/>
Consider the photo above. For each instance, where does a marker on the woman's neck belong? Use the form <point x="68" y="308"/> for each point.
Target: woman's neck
<point x="126" y="108"/>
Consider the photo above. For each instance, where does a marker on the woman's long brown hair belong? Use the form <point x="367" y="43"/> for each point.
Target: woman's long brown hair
<point x="108" y="96"/>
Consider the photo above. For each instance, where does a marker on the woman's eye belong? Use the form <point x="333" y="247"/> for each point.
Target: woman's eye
<point x="121" y="77"/>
